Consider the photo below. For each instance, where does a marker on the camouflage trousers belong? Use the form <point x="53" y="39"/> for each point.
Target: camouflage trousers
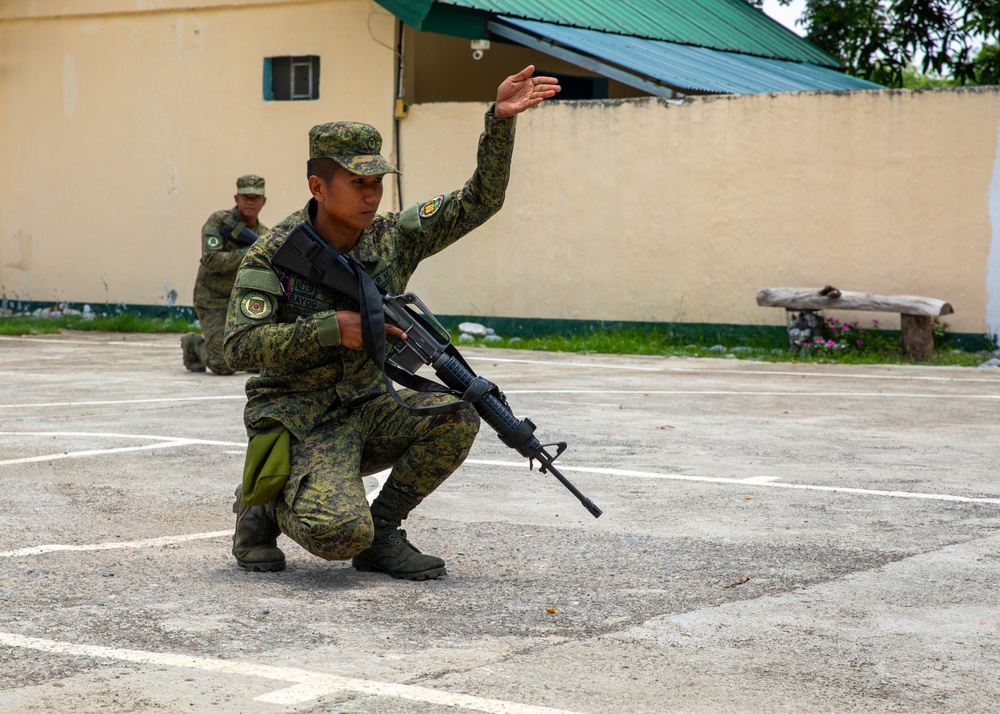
<point x="323" y="506"/>
<point x="213" y="332"/>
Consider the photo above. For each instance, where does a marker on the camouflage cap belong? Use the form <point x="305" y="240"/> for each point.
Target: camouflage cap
<point x="250" y="184"/>
<point x="353" y="145"/>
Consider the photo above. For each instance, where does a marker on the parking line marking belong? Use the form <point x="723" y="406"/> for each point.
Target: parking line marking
<point x="92" y="452"/>
<point x="57" y="340"/>
<point x="755" y="373"/>
<point x="309" y="685"/>
<point x="28" y="405"/>
<point x="123" y="545"/>
<point x="702" y="392"/>
<point x="163" y="442"/>
<point x="727" y="393"/>
<point x="753" y="481"/>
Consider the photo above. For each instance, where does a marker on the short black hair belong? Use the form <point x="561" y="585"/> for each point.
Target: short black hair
<point x="325" y="169"/>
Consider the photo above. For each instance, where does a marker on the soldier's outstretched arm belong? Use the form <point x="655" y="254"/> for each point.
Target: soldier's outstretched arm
<point x="440" y="222"/>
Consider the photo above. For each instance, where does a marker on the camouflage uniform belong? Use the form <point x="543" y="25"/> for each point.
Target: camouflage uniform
<point x="332" y="399"/>
<point x="220" y="258"/>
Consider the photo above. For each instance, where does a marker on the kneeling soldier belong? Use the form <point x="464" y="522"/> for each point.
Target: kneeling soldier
<point x="318" y="415"/>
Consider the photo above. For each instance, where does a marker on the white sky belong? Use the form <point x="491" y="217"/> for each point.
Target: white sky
<point x="786" y="15"/>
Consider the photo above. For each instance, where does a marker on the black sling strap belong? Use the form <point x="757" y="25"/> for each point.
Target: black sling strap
<point x="373" y="341"/>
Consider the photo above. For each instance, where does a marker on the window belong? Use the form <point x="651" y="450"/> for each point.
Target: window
<point x="577" y="87"/>
<point x="291" y="78"/>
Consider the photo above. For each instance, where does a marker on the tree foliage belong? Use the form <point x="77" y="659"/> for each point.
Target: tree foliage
<point x="879" y="39"/>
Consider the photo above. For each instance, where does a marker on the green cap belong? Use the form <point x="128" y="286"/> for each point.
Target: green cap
<point x="250" y="184"/>
<point x="353" y="145"/>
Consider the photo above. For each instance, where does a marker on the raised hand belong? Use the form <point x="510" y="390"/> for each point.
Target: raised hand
<point x="522" y="91"/>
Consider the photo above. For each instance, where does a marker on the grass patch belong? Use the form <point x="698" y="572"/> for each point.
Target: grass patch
<point x="881" y="346"/>
<point x="612" y="343"/>
<point x="128" y="322"/>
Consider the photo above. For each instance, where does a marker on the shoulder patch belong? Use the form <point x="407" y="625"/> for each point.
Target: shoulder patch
<point x="256" y="306"/>
<point x="258" y="279"/>
<point x="213" y="242"/>
<point x="431" y="207"/>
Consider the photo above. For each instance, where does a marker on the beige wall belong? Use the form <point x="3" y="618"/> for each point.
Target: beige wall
<point x="122" y="130"/>
<point x="648" y="211"/>
<point x="123" y="126"/>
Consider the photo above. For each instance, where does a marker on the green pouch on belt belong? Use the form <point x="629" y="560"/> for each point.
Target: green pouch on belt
<point x="268" y="463"/>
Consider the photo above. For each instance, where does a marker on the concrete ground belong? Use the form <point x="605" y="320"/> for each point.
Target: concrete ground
<point x="775" y="538"/>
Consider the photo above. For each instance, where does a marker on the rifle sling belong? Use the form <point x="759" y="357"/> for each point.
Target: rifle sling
<point x="373" y="341"/>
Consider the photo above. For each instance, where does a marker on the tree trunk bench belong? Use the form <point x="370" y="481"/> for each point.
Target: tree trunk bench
<point x="916" y="313"/>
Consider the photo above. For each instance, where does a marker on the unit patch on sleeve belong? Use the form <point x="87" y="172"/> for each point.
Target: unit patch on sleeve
<point x="213" y="241"/>
<point x="431" y="207"/>
<point x="256" y="306"/>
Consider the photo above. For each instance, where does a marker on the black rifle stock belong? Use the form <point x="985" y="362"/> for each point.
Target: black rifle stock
<point x="244" y="237"/>
<point x="306" y="254"/>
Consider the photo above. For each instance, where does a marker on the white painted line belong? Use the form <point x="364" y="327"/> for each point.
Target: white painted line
<point x="92" y="452"/>
<point x="842" y="375"/>
<point x="726" y="393"/>
<point x="744" y="482"/>
<point x="59" y="340"/>
<point x="146" y="543"/>
<point x="761" y="479"/>
<point x="112" y="435"/>
<point x="751" y="372"/>
<point x="309" y="685"/>
<point x="162" y="400"/>
<point x="163" y="442"/>
<point x="719" y="392"/>
<point x="599" y="365"/>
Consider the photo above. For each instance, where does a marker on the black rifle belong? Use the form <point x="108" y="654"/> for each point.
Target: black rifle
<point x="305" y="253"/>
<point x="244" y="236"/>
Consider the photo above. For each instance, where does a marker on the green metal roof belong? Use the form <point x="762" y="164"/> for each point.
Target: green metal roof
<point x="727" y="25"/>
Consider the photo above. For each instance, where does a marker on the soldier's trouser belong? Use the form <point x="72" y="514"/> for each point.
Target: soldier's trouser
<point x="213" y="329"/>
<point x="323" y="506"/>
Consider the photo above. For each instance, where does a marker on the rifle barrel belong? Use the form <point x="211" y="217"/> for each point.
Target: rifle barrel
<point x="547" y="465"/>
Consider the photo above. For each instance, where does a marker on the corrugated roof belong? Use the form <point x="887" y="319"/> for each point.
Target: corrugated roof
<point x="673" y="65"/>
<point x="727" y="25"/>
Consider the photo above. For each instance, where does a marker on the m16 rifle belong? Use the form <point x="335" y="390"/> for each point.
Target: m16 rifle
<point x="306" y="254"/>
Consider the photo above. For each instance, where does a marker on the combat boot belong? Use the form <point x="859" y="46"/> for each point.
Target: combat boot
<point x="192" y="362"/>
<point x="255" y="542"/>
<point x="390" y="551"/>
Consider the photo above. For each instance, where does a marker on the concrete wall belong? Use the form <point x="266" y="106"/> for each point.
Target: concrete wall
<point x="123" y="125"/>
<point x="648" y="211"/>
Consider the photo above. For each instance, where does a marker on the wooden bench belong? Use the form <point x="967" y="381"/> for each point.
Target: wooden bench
<point x="916" y="313"/>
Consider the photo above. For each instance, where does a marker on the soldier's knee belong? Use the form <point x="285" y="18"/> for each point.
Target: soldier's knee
<point x="340" y="542"/>
<point x="466" y="422"/>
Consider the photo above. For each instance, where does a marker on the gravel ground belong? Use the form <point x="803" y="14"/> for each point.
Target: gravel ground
<point x="776" y="538"/>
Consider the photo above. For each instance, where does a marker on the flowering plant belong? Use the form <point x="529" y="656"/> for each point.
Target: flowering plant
<point x="842" y="336"/>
